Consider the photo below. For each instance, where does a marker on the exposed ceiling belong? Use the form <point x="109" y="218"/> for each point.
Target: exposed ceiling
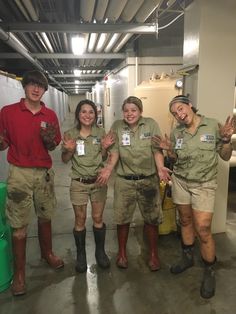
<point x="37" y="34"/>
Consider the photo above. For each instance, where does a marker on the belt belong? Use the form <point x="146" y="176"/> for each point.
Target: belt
<point x="87" y="181"/>
<point x="136" y="177"/>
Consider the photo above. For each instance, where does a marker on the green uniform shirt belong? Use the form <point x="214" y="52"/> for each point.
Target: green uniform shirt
<point x="197" y="153"/>
<point x="87" y="165"/>
<point x="135" y="147"/>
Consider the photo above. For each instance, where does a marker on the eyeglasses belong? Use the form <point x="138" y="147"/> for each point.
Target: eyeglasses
<point x="36" y="85"/>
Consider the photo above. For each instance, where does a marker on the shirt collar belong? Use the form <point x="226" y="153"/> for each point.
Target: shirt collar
<point x="24" y="108"/>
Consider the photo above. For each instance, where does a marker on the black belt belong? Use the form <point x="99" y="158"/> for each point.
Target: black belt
<point x="87" y="181"/>
<point x="136" y="177"/>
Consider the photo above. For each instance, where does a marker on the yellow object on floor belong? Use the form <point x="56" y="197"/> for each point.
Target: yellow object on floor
<point x="168" y="210"/>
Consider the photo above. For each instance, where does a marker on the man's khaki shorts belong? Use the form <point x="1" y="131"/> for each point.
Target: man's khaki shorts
<point x="29" y="188"/>
<point x="201" y="196"/>
<point x="81" y="193"/>
<point x="144" y="193"/>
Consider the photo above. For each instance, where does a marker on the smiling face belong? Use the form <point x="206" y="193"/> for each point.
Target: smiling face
<point x="86" y="115"/>
<point x="183" y="113"/>
<point x="34" y="92"/>
<point x="131" y="114"/>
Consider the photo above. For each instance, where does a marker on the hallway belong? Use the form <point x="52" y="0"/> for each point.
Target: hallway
<point x="115" y="291"/>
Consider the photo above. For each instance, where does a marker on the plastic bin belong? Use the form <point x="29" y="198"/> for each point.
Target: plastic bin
<point x="6" y="272"/>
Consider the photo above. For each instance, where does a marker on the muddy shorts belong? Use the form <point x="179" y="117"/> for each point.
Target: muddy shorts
<point x="29" y="188"/>
<point x="81" y="193"/>
<point x="200" y="195"/>
<point x="130" y="193"/>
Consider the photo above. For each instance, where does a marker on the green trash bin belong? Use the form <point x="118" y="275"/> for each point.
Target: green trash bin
<point x="3" y="196"/>
<point x="6" y="256"/>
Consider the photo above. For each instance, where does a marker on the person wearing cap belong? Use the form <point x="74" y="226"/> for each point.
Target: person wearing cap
<point x="137" y="182"/>
<point x="194" y="146"/>
<point x="85" y="146"/>
<point x="29" y="130"/>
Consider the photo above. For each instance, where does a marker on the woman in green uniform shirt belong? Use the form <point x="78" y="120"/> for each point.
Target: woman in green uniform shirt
<point x="138" y="166"/>
<point x="194" y="147"/>
<point x="85" y="146"/>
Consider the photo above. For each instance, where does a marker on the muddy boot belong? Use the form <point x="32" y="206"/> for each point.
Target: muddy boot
<point x="81" y="260"/>
<point x="18" y="285"/>
<point x="151" y="233"/>
<point x="208" y="285"/>
<point x="99" y="237"/>
<point x="122" y="234"/>
<point x="45" y="242"/>
<point x="185" y="262"/>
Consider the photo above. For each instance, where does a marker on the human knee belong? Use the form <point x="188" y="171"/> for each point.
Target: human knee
<point x="97" y="218"/>
<point x="204" y="232"/>
<point x="185" y="221"/>
<point x="19" y="233"/>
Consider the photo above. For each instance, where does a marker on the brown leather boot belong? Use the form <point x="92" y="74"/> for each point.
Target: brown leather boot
<point x="19" y="247"/>
<point x="45" y="242"/>
<point x="152" y="235"/>
<point x="122" y="234"/>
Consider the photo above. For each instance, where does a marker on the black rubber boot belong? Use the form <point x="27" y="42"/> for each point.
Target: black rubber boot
<point x="99" y="237"/>
<point x="208" y="285"/>
<point x="186" y="260"/>
<point x="81" y="261"/>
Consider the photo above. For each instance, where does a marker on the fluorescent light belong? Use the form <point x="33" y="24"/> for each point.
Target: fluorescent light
<point x="76" y="81"/>
<point x="77" y="72"/>
<point x="92" y="40"/>
<point x="47" y="42"/>
<point x="78" y="44"/>
<point x="101" y="42"/>
<point x="112" y="41"/>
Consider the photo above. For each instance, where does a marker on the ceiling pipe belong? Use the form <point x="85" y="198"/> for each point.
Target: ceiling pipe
<point x="100" y="10"/>
<point x="114" y="9"/>
<point x="12" y="42"/>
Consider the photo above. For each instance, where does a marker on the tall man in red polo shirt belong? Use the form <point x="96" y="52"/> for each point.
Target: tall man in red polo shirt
<point x="29" y="130"/>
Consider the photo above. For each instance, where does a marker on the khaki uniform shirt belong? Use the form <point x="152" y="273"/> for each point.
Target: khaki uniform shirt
<point x="197" y="153"/>
<point x="135" y="147"/>
<point x="87" y="165"/>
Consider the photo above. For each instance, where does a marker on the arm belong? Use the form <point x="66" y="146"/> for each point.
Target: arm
<point x="165" y="144"/>
<point x="68" y="146"/>
<point x="3" y="143"/>
<point x="105" y="172"/>
<point x="226" y="131"/>
<point x="163" y="172"/>
<point x="107" y="141"/>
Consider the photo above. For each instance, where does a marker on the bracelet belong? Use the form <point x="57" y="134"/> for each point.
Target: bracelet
<point x="226" y="141"/>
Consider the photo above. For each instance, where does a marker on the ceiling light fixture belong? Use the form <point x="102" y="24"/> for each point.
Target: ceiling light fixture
<point x="78" y="43"/>
<point x="77" y="72"/>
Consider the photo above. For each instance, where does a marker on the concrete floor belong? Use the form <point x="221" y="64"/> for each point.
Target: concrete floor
<point x="115" y="291"/>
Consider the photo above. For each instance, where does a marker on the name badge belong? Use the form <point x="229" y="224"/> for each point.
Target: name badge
<point x="207" y="138"/>
<point x="96" y="141"/>
<point x="179" y="143"/>
<point x="125" y="140"/>
<point x="80" y="148"/>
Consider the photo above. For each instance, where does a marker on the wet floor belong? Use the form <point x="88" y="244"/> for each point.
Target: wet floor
<point x="116" y="291"/>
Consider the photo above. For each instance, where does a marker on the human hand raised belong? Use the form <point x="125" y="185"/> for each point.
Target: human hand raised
<point x="228" y="129"/>
<point x="162" y="142"/>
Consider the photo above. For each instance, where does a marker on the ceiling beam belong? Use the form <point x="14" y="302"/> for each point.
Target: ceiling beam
<point x="14" y="55"/>
<point x="79" y="76"/>
<point x="136" y="28"/>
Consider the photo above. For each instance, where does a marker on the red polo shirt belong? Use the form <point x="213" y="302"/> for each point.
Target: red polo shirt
<point x="21" y="129"/>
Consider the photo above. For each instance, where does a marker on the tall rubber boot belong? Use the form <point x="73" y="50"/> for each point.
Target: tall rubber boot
<point x="122" y="234"/>
<point x="81" y="260"/>
<point x="186" y="261"/>
<point x="18" y="285"/>
<point x="208" y="285"/>
<point x="151" y="233"/>
<point x="45" y="242"/>
<point x="99" y="237"/>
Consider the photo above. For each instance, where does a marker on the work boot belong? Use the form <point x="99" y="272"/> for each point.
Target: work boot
<point x="45" y="242"/>
<point x="186" y="260"/>
<point x="208" y="285"/>
<point x="19" y="248"/>
<point x="81" y="260"/>
<point x="151" y="233"/>
<point x="122" y="234"/>
<point x="99" y="237"/>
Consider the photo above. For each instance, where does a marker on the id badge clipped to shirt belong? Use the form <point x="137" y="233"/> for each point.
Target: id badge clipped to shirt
<point x="80" y="147"/>
<point x="125" y="140"/>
